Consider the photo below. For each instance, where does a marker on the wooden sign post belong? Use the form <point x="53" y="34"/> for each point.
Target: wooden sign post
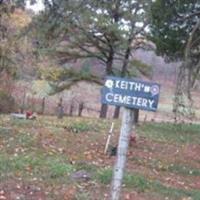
<point x="125" y="133"/>
<point x="129" y="94"/>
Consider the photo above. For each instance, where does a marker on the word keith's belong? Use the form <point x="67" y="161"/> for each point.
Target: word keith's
<point x="127" y="85"/>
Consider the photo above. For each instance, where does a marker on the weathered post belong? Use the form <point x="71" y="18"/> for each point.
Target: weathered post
<point x="43" y="105"/>
<point x="125" y="133"/>
<point x="60" y="111"/>
<point x="109" y="137"/>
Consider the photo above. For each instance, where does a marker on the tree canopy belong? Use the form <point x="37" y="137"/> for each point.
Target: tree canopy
<point x="175" y="31"/>
<point x="172" y="23"/>
<point x="12" y="22"/>
<point x="100" y="29"/>
<point x="105" y="30"/>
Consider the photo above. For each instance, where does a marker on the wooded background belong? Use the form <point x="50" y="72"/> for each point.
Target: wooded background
<point x="56" y="54"/>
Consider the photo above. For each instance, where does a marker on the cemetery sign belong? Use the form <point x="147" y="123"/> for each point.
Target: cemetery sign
<point x="130" y="93"/>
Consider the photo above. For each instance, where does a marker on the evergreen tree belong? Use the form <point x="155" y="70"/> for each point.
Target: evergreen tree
<point x="175" y="31"/>
<point x="94" y="29"/>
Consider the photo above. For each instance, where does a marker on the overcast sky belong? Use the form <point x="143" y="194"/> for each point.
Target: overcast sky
<point x="36" y="7"/>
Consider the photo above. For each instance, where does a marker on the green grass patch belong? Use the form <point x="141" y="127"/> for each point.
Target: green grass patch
<point x="168" y="132"/>
<point x="174" y="193"/>
<point x="4" y="131"/>
<point x="22" y="122"/>
<point x="25" y="140"/>
<point x="176" y="168"/>
<point x="104" y="176"/>
<point x="57" y="168"/>
<point x="48" y="167"/>
<point x="85" y="166"/>
<point x="9" y="165"/>
<point x="83" y="196"/>
<point x="18" y="141"/>
<point x="143" y="184"/>
<point x="183" y="170"/>
<point x="4" y="164"/>
<point x="137" y="181"/>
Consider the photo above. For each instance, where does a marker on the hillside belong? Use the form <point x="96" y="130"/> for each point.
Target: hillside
<point x="89" y="92"/>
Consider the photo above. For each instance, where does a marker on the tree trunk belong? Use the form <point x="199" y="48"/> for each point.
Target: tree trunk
<point x="71" y="109"/>
<point x="183" y="102"/>
<point x="80" y="109"/>
<point x="125" y="133"/>
<point x="103" y="112"/>
<point x="32" y="104"/>
<point x="43" y="106"/>
<point x="136" y="116"/>
<point x="116" y="112"/>
<point x="60" y="109"/>
<point x="104" y="107"/>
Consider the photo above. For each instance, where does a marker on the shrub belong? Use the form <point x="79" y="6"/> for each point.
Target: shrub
<point x="7" y="102"/>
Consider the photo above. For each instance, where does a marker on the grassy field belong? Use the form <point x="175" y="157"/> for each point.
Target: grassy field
<point x="40" y="160"/>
